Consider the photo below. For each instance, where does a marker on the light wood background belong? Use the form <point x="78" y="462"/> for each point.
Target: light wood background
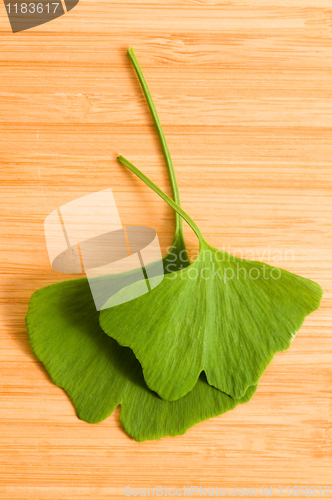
<point x="243" y="88"/>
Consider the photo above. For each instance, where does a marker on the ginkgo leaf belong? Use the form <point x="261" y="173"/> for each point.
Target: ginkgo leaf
<point x="99" y="375"/>
<point x="222" y="315"/>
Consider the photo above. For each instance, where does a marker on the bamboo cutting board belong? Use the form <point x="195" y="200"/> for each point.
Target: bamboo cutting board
<point x="243" y="89"/>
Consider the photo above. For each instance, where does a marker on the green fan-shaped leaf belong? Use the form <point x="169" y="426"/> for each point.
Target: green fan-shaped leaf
<point x="98" y="374"/>
<point x="222" y="315"/>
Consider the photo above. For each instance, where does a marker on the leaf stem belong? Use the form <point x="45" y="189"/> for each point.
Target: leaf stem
<point x="164" y="196"/>
<point x="164" y="145"/>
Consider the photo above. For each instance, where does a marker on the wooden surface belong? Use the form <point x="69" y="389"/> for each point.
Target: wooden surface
<point x="243" y="89"/>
